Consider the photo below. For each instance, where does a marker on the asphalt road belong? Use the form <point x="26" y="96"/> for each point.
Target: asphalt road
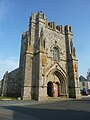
<point x="57" y="110"/>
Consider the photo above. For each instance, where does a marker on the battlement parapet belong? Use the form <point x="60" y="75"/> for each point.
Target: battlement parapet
<point x="64" y="29"/>
<point x="40" y="17"/>
<point x="68" y="29"/>
<point x="52" y="25"/>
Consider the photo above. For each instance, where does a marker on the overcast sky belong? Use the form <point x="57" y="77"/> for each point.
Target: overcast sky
<point x="14" y="19"/>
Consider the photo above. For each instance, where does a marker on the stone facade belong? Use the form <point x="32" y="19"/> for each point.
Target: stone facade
<point x="11" y="84"/>
<point x="48" y="65"/>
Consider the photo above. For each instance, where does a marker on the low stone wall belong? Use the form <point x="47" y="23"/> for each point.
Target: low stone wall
<point x="12" y="84"/>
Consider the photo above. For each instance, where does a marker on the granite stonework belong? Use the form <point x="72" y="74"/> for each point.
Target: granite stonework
<point x="48" y="64"/>
<point x="11" y="84"/>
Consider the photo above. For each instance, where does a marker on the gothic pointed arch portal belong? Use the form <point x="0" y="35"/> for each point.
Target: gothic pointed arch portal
<point x="56" y="86"/>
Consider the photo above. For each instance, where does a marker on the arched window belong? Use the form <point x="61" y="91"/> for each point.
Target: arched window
<point x="55" y="53"/>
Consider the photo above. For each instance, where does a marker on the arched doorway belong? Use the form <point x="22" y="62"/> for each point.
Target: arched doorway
<point x="56" y="89"/>
<point x="53" y="89"/>
<point x="62" y="83"/>
<point x="50" y="89"/>
<point x="57" y="85"/>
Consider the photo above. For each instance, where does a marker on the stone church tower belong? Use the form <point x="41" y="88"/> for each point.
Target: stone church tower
<point x="48" y="64"/>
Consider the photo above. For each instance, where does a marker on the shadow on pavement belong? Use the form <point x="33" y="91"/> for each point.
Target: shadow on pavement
<point x="46" y="114"/>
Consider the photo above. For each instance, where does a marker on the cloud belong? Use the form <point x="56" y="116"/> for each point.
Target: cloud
<point x="7" y="64"/>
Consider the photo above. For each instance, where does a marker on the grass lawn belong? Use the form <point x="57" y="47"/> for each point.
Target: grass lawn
<point x="7" y="98"/>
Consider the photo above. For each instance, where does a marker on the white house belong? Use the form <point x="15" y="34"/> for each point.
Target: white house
<point x="85" y="83"/>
